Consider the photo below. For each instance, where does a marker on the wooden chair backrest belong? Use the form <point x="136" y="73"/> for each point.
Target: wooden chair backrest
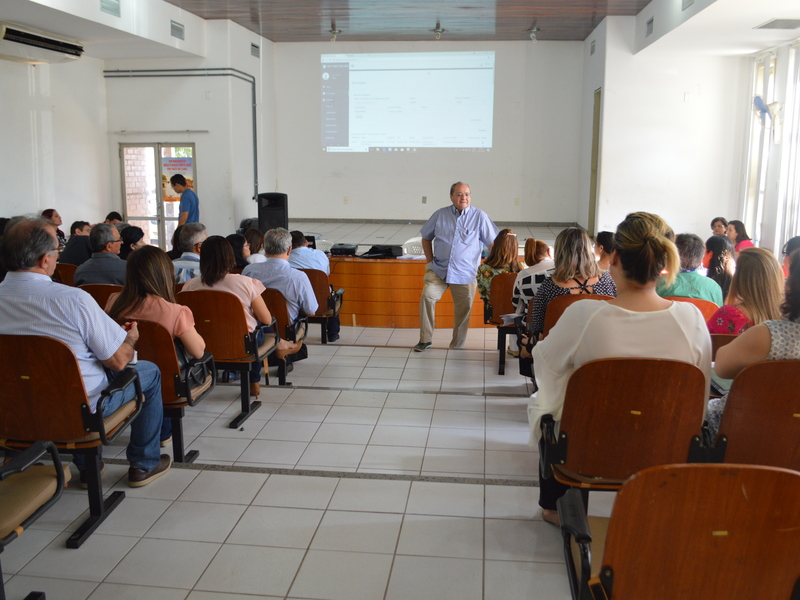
<point x="762" y="415"/>
<point x="706" y="307"/>
<point x="276" y="303"/>
<point x="500" y="293"/>
<point x="559" y="304"/>
<point x="41" y="390"/>
<point x="741" y="519"/>
<point x="322" y="288"/>
<point x="718" y="340"/>
<point x="220" y="319"/>
<point x="101" y="292"/>
<point x="157" y="345"/>
<point x="622" y="415"/>
<point x="66" y="272"/>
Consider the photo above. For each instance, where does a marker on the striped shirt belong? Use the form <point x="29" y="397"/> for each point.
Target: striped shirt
<point x="32" y="304"/>
<point x="186" y="267"/>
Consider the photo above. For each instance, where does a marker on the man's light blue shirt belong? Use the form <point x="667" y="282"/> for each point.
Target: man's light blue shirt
<point x="458" y="240"/>
<point x="187" y="267"/>
<point x="190" y="203"/>
<point x="278" y="274"/>
<point x="309" y="258"/>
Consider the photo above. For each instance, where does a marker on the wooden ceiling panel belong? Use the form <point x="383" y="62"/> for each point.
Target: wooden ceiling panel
<point x="413" y="20"/>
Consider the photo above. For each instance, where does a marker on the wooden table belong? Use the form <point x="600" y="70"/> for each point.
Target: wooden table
<point x="385" y="293"/>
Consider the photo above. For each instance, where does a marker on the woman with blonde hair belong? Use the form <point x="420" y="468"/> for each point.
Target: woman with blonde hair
<point x="540" y="265"/>
<point x="755" y="294"/>
<point x="575" y="272"/>
<point x="637" y="323"/>
<point x="502" y="259"/>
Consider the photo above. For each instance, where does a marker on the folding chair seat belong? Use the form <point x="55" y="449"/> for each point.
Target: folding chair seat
<point x="42" y="397"/>
<point x="706" y="307"/>
<point x="761" y="421"/>
<point x="221" y="321"/>
<point x="101" y="292"/>
<point x="559" y="304"/>
<point x="27" y="491"/>
<point x="184" y="381"/>
<point x="294" y="331"/>
<point x="622" y="415"/>
<point x="498" y="304"/>
<point x="65" y="273"/>
<point x="710" y="532"/>
<point x="330" y="302"/>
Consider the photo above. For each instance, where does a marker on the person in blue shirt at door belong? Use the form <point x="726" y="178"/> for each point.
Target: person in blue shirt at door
<point x="190" y="204"/>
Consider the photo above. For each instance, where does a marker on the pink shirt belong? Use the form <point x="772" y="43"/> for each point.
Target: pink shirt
<point x="176" y="318"/>
<point x="742" y="245"/>
<point x="246" y="288"/>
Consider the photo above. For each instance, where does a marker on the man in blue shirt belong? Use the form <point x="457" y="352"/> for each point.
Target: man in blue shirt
<point x="190" y="205"/>
<point x="460" y="232"/>
<point x="303" y="257"/>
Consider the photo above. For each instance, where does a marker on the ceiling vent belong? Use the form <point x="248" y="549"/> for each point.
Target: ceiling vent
<point x="780" y="24"/>
<point x="25" y="46"/>
<point x="177" y="30"/>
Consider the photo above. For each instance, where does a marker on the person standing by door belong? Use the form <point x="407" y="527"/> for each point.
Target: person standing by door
<point x="190" y="204"/>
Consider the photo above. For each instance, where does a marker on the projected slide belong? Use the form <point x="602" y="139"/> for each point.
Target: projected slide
<point x="407" y="102"/>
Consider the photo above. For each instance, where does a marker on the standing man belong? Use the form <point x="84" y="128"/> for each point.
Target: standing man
<point x="460" y="232"/>
<point x="190" y="205"/>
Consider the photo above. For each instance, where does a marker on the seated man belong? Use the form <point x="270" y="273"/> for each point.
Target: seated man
<point x="31" y="304"/>
<point x="303" y="257"/>
<point x="105" y="265"/>
<point x="78" y="249"/>
<point x="113" y="218"/>
<point x="277" y="274"/>
<point x="191" y="238"/>
<point x="689" y="283"/>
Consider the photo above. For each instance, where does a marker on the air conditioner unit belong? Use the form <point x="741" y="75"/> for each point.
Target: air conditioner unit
<point x="26" y="46"/>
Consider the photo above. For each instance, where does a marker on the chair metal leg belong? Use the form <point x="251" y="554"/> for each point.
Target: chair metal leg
<point x="99" y="509"/>
<point x="248" y="408"/>
<point x="282" y="373"/>
<point x="501" y="348"/>
<point x="36" y="596"/>
<point x="324" y="326"/>
<point x="179" y="454"/>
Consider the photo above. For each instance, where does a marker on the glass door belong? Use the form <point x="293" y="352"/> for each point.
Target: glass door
<point x="150" y="201"/>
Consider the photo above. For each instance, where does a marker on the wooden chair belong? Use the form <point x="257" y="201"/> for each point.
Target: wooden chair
<point x="761" y="421"/>
<point x="294" y="331"/>
<point x="706" y="307"/>
<point x="717" y="532"/>
<point x="220" y="320"/>
<point x="101" y="292"/>
<point x="330" y="302"/>
<point x="65" y="273"/>
<point x="559" y="304"/>
<point x="183" y="382"/>
<point x="718" y="340"/>
<point x="622" y="415"/>
<point x="42" y="397"/>
<point x="499" y="303"/>
<point x="28" y="491"/>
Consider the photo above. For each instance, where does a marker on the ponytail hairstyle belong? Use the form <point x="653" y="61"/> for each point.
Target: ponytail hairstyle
<point x="505" y="252"/>
<point x="791" y="304"/>
<point x="757" y="285"/>
<point x="574" y="256"/>
<point x="149" y="272"/>
<point x="722" y="264"/>
<point x="535" y="251"/>
<point x="645" y="246"/>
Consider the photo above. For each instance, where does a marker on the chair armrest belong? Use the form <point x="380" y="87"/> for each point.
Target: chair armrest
<point x="196" y="372"/>
<point x="298" y="325"/>
<point x="251" y="343"/>
<point x="335" y="300"/>
<point x="94" y="421"/>
<point x="572" y="514"/>
<point x="25" y="460"/>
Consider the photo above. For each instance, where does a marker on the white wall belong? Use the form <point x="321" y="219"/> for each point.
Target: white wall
<point x="53" y="148"/>
<point x="672" y="133"/>
<point x="535" y="153"/>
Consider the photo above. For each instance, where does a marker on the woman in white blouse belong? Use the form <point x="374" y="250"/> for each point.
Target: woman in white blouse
<point x="637" y="323"/>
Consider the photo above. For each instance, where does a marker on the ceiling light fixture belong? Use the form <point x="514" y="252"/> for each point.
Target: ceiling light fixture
<point x="438" y="31"/>
<point x="532" y="33"/>
<point x="334" y="32"/>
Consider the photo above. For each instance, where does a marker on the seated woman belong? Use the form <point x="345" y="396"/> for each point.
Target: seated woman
<point x="603" y="245"/>
<point x="774" y="339"/>
<point x="132" y="239"/>
<point x="256" y="240"/>
<point x="576" y="272"/>
<point x="719" y="226"/>
<point x="51" y="215"/>
<point x="149" y="294"/>
<point x="216" y="266"/>
<point x="176" y="246"/>
<point x="241" y="250"/>
<point x="755" y="294"/>
<point x="637" y="323"/>
<point x="720" y="261"/>
<point x="502" y="259"/>
<point x="540" y="265"/>
<point x="738" y="235"/>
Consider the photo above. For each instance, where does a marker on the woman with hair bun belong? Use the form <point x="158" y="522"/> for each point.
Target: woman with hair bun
<point x="637" y="323"/>
<point x="603" y="245"/>
<point x="755" y="294"/>
<point x="720" y="261"/>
